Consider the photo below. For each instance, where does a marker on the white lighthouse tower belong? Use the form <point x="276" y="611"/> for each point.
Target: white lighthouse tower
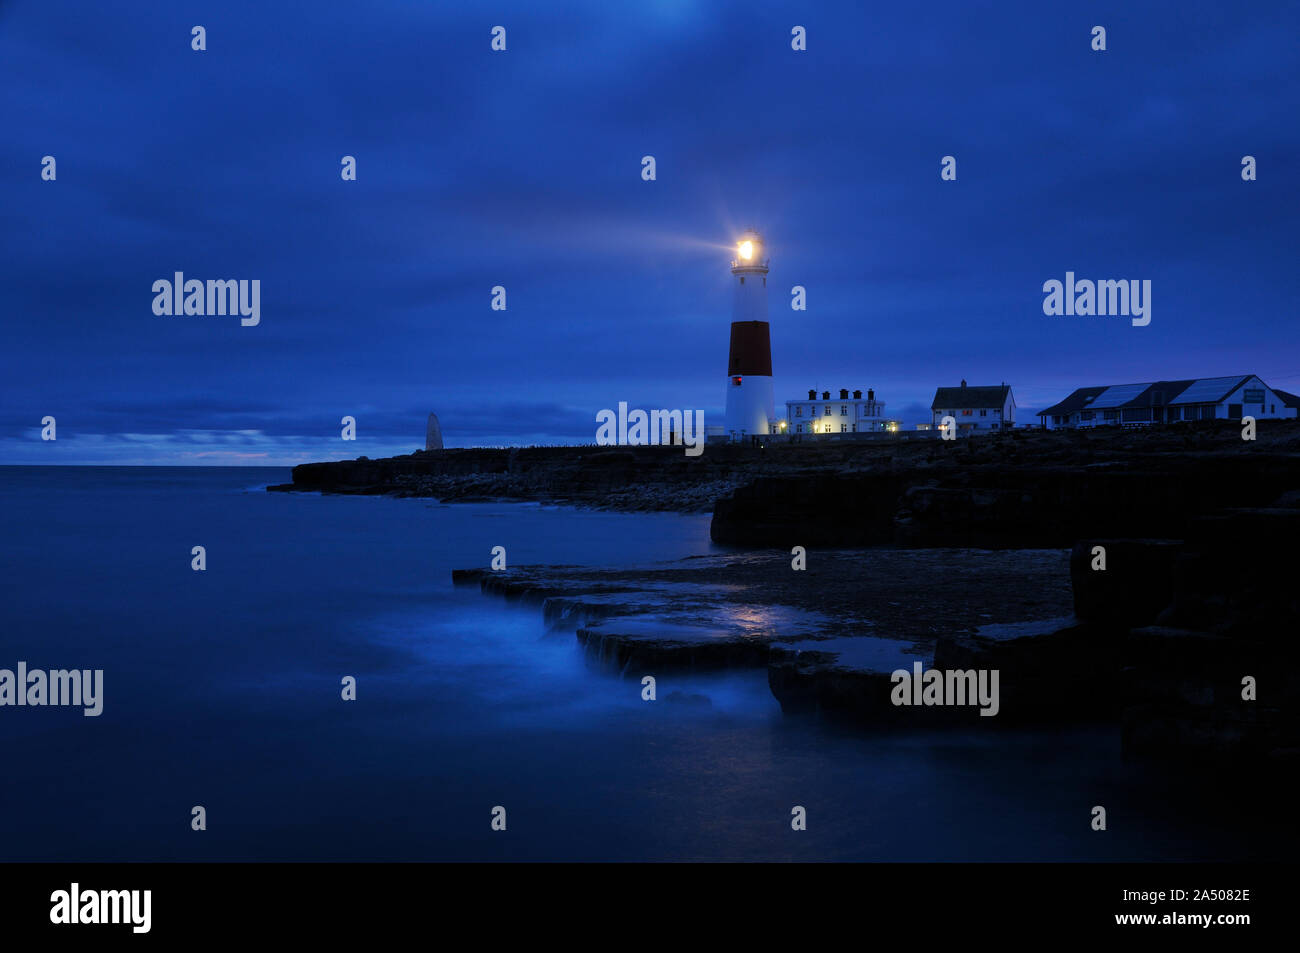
<point x="750" y="407"/>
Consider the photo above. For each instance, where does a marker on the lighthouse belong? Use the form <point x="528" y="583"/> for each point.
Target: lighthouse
<point x="750" y="407"/>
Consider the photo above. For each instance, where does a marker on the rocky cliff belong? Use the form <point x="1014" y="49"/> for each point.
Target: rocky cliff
<point x="1018" y="489"/>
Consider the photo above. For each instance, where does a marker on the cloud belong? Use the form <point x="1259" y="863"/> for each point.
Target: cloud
<point x="523" y="170"/>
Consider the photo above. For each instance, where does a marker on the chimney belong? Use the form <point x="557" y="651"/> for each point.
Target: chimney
<point x="871" y="394"/>
<point x="812" y="395"/>
<point x="826" y="395"/>
<point x="844" y="393"/>
<point x="857" y="395"/>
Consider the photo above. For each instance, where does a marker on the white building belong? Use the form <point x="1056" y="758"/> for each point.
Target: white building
<point x="1159" y="402"/>
<point x="845" y="414"/>
<point x="750" y="402"/>
<point x="976" y="409"/>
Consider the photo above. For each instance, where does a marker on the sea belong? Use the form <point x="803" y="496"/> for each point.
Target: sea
<point x="223" y="690"/>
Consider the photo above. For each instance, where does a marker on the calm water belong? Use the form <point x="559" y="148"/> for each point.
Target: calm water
<point x="222" y="689"/>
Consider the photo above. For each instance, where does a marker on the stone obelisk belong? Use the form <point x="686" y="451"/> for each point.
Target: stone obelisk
<point x="433" y="434"/>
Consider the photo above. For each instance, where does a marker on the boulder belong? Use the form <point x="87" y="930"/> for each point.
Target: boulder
<point x="1134" y="588"/>
<point x="1239" y="574"/>
<point x="845" y="678"/>
<point x="1052" y="669"/>
<point x="1182" y="692"/>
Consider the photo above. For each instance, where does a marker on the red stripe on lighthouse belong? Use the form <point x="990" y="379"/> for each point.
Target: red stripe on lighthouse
<point x="751" y="349"/>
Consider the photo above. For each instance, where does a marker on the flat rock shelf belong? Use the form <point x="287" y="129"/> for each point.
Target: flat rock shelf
<point x="851" y="617"/>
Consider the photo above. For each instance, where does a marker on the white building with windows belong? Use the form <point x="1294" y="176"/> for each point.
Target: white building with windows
<point x="976" y="409"/>
<point x="1161" y="402"/>
<point x="843" y="414"/>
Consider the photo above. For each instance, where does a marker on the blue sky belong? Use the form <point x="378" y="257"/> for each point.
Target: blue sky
<point x="522" y="169"/>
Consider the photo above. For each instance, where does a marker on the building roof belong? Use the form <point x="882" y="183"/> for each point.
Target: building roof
<point x="1161" y="393"/>
<point x="1291" y="400"/>
<point x="1076" y="401"/>
<point x="1204" y="390"/>
<point x="1210" y="390"/>
<point x="970" y="397"/>
<point x="1119" y="395"/>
